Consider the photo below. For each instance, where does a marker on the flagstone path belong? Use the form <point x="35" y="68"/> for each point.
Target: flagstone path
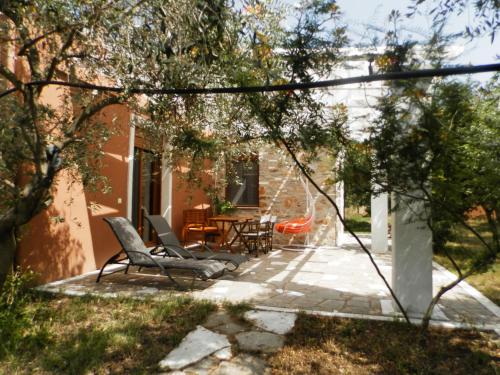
<point x="210" y="348"/>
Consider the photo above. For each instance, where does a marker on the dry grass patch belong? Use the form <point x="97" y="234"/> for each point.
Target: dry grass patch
<point x="465" y="248"/>
<point x="319" y="345"/>
<point x="89" y="335"/>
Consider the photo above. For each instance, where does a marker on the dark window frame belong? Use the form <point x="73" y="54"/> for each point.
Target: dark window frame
<point x="254" y="159"/>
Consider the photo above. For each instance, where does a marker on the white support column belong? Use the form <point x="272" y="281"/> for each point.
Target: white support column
<point x="379" y="216"/>
<point x="166" y="186"/>
<point x="339" y="200"/>
<point x="130" y="179"/>
<point x="166" y="194"/>
<point x="411" y="255"/>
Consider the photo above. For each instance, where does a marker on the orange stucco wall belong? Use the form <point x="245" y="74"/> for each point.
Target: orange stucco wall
<point x="70" y="238"/>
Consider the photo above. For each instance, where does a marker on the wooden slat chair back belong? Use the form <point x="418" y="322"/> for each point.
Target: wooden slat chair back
<point x="196" y="222"/>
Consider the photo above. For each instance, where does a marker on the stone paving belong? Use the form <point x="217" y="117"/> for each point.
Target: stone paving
<point x="333" y="281"/>
<point x="217" y="348"/>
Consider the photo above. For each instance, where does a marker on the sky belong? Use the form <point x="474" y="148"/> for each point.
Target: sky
<point x="362" y="15"/>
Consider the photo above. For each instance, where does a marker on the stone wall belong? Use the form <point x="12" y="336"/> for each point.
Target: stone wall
<point x="282" y="193"/>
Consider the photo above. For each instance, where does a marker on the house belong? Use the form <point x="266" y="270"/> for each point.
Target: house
<point x="70" y="237"/>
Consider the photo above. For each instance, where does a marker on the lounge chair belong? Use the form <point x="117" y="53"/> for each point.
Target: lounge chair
<point x="171" y="246"/>
<point x="135" y="253"/>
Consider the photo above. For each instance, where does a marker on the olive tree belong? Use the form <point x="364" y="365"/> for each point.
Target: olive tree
<point x="128" y="43"/>
<point x="439" y="137"/>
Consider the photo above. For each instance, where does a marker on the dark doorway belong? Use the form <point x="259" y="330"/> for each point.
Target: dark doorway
<point x="146" y="191"/>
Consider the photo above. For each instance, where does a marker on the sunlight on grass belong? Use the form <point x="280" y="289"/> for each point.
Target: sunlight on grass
<point x="357" y="221"/>
<point x="237" y="310"/>
<point x="80" y="335"/>
<point x="464" y="249"/>
<point x="320" y="345"/>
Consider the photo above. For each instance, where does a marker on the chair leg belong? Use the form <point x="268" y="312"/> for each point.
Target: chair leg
<point x="109" y="261"/>
<point x="166" y="273"/>
<point x="256" y="248"/>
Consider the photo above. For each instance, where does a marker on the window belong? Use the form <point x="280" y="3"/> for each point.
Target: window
<point x="243" y="183"/>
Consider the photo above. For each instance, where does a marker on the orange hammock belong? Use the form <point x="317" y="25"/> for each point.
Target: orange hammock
<point x="300" y="224"/>
<point x="295" y="225"/>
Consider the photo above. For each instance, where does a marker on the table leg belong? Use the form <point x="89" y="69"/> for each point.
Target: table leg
<point x="223" y="235"/>
<point x="238" y="233"/>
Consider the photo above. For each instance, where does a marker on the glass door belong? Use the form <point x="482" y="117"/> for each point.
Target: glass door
<point x="146" y="191"/>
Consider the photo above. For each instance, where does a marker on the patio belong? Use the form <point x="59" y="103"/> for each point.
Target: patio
<point x="336" y="281"/>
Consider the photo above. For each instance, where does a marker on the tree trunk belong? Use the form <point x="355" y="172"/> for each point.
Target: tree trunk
<point x="7" y="252"/>
<point x="493" y="228"/>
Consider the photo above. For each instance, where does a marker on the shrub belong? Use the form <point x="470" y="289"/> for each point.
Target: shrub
<point x="15" y="319"/>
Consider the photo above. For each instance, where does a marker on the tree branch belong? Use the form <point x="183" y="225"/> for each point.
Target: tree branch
<point x="88" y="112"/>
<point x="448" y="287"/>
<point x="459" y="219"/>
<point x="31" y="42"/>
<point x="11" y="77"/>
<point x="57" y="59"/>
<point x="346" y="227"/>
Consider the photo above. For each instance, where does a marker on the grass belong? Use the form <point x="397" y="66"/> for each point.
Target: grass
<point x="465" y="248"/>
<point x="237" y="310"/>
<point x="46" y="334"/>
<point x="359" y="223"/>
<point x="320" y="345"/>
<point x="82" y="335"/>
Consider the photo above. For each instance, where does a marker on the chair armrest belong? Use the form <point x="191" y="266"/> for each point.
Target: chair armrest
<point x="192" y="246"/>
<point x="173" y="247"/>
<point x="155" y="250"/>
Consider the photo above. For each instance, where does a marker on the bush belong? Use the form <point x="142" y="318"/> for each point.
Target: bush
<point x="14" y="318"/>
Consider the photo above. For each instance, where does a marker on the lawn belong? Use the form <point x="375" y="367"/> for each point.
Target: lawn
<point x="464" y="249"/>
<point x="85" y="335"/>
<point x="320" y="345"/>
<point x="358" y="220"/>
<point x="90" y="335"/>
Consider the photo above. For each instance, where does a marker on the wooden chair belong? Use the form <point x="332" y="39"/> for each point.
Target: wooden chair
<point x="196" y="223"/>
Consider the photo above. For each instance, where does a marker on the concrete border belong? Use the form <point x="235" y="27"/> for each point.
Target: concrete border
<point x="335" y="314"/>
<point x="112" y="268"/>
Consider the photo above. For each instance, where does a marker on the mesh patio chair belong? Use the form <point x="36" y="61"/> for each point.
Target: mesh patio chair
<point x="270" y="233"/>
<point x="254" y="235"/>
<point x="171" y="246"/>
<point x="135" y="253"/>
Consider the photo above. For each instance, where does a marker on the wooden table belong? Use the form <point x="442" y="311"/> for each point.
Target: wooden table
<point x="232" y="221"/>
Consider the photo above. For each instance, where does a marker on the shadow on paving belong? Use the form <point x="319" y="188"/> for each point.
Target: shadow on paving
<point x="327" y="280"/>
